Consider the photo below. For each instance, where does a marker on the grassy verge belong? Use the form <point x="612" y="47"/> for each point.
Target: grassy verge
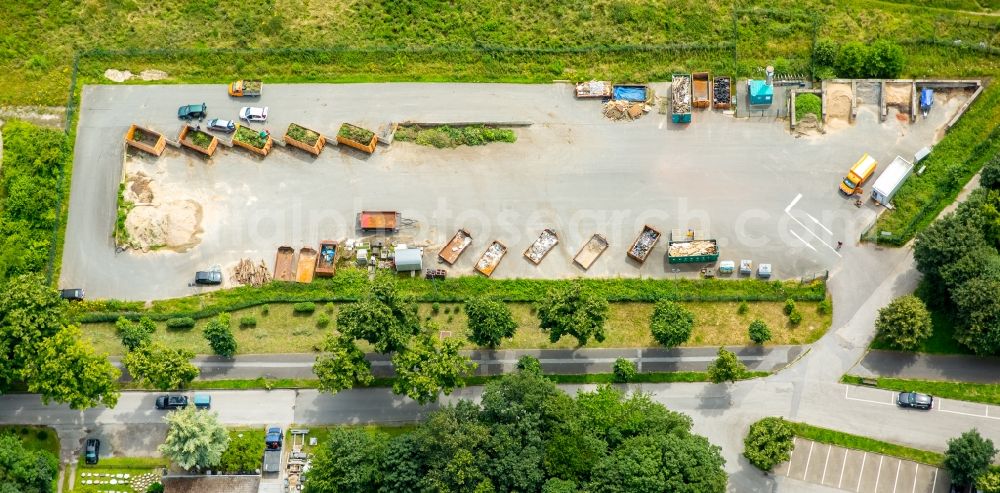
<point x="856" y="442"/>
<point x="288" y="383"/>
<point x="959" y="156"/>
<point x="35" y="437"/>
<point x="351" y="283"/>
<point x="961" y="391"/>
<point x="280" y="330"/>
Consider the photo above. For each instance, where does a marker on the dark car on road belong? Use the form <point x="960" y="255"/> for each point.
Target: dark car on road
<point x="92" y="451"/>
<point x="171" y="402"/>
<point x="208" y="277"/>
<point x="273" y="438"/>
<point x="220" y="125"/>
<point x="915" y="400"/>
<point x="75" y="294"/>
<point x="192" y="111"/>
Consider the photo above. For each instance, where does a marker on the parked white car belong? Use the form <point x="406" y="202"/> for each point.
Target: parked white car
<point x="253" y="114"/>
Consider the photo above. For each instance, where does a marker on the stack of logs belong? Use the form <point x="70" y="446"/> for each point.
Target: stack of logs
<point x="248" y="274"/>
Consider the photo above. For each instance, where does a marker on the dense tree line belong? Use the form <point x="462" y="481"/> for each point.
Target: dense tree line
<point x="23" y="470"/>
<point x="29" y="194"/>
<point x="527" y="436"/>
<point x="958" y="255"/>
<point x="881" y="59"/>
<point x="42" y="352"/>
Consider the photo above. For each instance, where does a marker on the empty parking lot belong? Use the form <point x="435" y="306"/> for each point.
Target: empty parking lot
<point x="862" y="472"/>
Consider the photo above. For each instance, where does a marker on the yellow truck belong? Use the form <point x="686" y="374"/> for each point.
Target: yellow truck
<point x="861" y="171"/>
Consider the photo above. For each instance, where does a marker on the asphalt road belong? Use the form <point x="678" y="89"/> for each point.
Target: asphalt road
<point x="562" y="361"/>
<point x="899" y="364"/>
<point x="764" y="194"/>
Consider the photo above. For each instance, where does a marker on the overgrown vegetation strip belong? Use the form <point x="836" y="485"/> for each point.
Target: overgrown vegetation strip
<point x="856" y="442"/>
<point x="985" y="393"/>
<point x="350" y="285"/>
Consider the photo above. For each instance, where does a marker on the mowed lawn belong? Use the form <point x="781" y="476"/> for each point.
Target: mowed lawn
<point x="282" y="331"/>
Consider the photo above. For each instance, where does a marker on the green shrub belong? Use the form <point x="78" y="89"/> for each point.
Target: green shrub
<point x="42" y="435"/>
<point x="795" y="318"/>
<point x="135" y="333"/>
<point x="759" y="332"/>
<point x="304" y="307"/>
<point x="530" y="364"/>
<point x="323" y="321"/>
<point x="220" y="337"/>
<point x="808" y="104"/>
<point x="180" y="323"/>
<point x="435" y="308"/>
<point x="624" y="371"/>
<point x="447" y="310"/>
<point x="265" y="309"/>
<point x="248" y="321"/>
<point x="743" y="308"/>
<point x="671" y="324"/>
<point x="824" y="307"/>
<point x="768" y="443"/>
<point x="155" y="488"/>
<point x="329" y="307"/>
<point x="789" y="306"/>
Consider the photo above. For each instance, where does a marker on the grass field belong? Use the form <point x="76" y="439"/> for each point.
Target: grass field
<point x="825" y="435"/>
<point x="484" y="40"/>
<point x="283" y="331"/>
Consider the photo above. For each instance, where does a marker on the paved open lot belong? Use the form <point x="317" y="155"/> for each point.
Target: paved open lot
<point x="764" y="194"/>
<point x="853" y="470"/>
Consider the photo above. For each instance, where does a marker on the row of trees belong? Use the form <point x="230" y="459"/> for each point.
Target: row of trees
<point x="42" y="352"/>
<point x="528" y="436"/>
<point x="958" y="255"/>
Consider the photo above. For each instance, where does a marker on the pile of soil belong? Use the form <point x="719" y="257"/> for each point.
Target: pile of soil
<point x="152" y="74"/>
<point x="138" y="189"/>
<point x="808" y="125"/>
<point x="172" y="225"/>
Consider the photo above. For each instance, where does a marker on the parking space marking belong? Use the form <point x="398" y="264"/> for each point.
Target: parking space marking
<point x="808" y="460"/>
<point x="842" y="467"/>
<point x="826" y="464"/>
<point x="934" y="486"/>
<point x="794" y="201"/>
<point x="878" y="475"/>
<point x="847" y="391"/>
<point x="895" y="482"/>
<point x="788" y="212"/>
<point x="916" y="472"/>
<point x="862" y="472"/>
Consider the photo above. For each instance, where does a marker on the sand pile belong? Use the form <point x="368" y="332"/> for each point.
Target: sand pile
<point x="808" y="125"/>
<point x="897" y="94"/>
<point x="838" y="101"/>
<point x="173" y="225"/>
<point x="117" y="75"/>
<point x="152" y="74"/>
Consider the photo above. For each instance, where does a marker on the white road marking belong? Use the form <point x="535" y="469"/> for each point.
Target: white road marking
<point x="879" y="474"/>
<point x="804" y="242"/>
<point x="968" y="414"/>
<point x="808" y="460"/>
<point x="895" y="482"/>
<point x="819" y="223"/>
<point x="867" y="400"/>
<point x="862" y="473"/>
<point x="826" y="464"/>
<point x="842" y="467"/>
<point x="916" y="476"/>
<point x="794" y="201"/>
<point x="934" y="485"/>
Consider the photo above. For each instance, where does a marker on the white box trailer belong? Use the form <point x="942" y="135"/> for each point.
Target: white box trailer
<point x="889" y="182"/>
